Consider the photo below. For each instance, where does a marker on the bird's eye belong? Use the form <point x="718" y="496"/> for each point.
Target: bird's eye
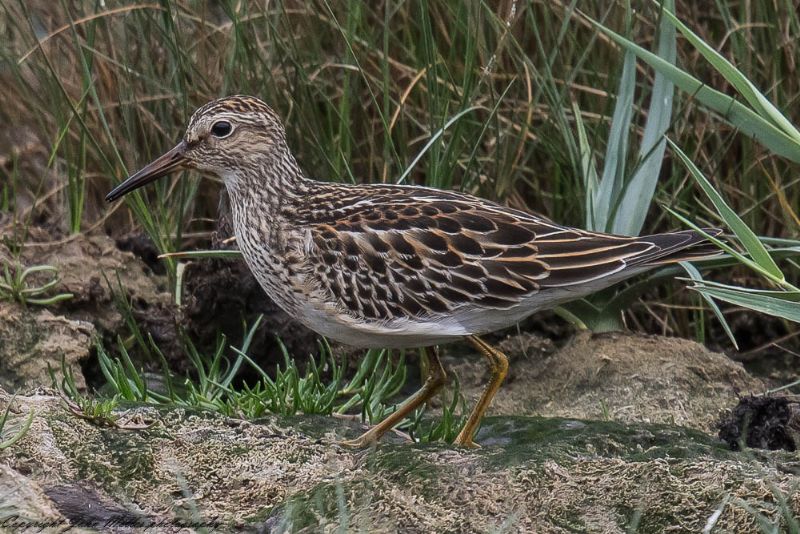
<point x="221" y="129"/>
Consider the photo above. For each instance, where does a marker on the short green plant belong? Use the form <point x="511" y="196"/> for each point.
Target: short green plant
<point x="98" y="411"/>
<point x="428" y="428"/>
<point x="12" y="433"/>
<point x="290" y="391"/>
<point x="213" y="385"/>
<point x="16" y="284"/>
<point x="376" y="380"/>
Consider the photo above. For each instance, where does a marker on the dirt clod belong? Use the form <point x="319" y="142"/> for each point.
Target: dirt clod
<point x="143" y="248"/>
<point x="32" y="339"/>
<point x="614" y="376"/>
<point x="768" y="422"/>
<point x="88" y="267"/>
<point x="222" y="295"/>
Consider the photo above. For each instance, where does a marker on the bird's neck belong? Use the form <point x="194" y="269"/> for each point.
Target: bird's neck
<point x="267" y="185"/>
<point x="263" y="198"/>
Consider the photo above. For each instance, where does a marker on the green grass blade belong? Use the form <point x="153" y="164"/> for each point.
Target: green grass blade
<point x="432" y="141"/>
<point x="204" y="254"/>
<point x="746" y="236"/>
<point x="734" y="76"/>
<point x="785" y="304"/>
<point x="735" y="254"/>
<point x="612" y="180"/>
<point x="19" y="434"/>
<point x="695" y="275"/>
<point x="737" y="114"/>
<point x="587" y="166"/>
<point x="638" y="192"/>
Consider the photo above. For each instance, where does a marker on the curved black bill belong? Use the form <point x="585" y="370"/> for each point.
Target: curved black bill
<point x="172" y="160"/>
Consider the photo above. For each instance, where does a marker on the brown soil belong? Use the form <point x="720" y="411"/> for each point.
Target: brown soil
<point x="92" y="267"/>
<point x="87" y="267"/>
<point x="34" y="339"/>
<point x="619" y="377"/>
<point x="222" y="295"/>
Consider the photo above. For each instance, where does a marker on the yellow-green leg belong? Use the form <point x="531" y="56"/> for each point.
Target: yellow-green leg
<point x="498" y="365"/>
<point x="436" y="379"/>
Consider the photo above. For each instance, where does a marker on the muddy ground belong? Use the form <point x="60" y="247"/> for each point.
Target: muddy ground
<point x="279" y="474"/>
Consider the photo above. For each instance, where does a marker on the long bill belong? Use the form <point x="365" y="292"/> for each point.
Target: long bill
<point x="163" y="165"/>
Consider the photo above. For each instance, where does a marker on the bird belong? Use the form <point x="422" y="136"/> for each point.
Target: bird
<point x="397" y="266"/>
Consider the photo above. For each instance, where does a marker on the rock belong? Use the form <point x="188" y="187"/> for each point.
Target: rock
<point x="25" y="503"/>
<point x="616" y="376"/>
<point x="32" y="339"/>
<point x="532" y="475"/>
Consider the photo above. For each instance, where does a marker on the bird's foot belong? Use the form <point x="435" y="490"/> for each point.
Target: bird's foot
<point x="465" y="440"/>
<point x="372" y="436"/>
<point x="358" y="443"/>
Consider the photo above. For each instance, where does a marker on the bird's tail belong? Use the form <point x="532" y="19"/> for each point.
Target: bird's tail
<point x="686" y="245"/>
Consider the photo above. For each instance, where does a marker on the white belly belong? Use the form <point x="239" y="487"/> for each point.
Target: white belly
<point x="328" y="321"/>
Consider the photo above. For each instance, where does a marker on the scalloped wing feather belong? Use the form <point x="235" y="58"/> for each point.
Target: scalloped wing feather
<point x="396" y="252"/>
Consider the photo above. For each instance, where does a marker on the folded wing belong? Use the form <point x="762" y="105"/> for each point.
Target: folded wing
<point x="426" y="254"/>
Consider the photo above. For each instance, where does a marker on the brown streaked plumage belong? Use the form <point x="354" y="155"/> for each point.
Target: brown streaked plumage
<point x="396" y="266"/>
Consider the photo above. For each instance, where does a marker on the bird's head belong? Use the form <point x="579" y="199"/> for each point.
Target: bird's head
<point x="223" y="137"/>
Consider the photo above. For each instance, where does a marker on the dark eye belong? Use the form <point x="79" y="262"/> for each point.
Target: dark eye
<point x="221" y="129"/>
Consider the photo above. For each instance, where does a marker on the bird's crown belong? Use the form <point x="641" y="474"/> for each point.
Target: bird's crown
<point x="221" y="117"/>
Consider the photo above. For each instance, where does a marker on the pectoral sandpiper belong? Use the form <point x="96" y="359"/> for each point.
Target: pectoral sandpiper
<point x="396" y="266"/>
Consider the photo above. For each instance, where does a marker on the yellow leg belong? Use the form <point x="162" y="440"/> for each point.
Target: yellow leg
<point x="436" y="379"/>
<point x="498" y="365"/>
